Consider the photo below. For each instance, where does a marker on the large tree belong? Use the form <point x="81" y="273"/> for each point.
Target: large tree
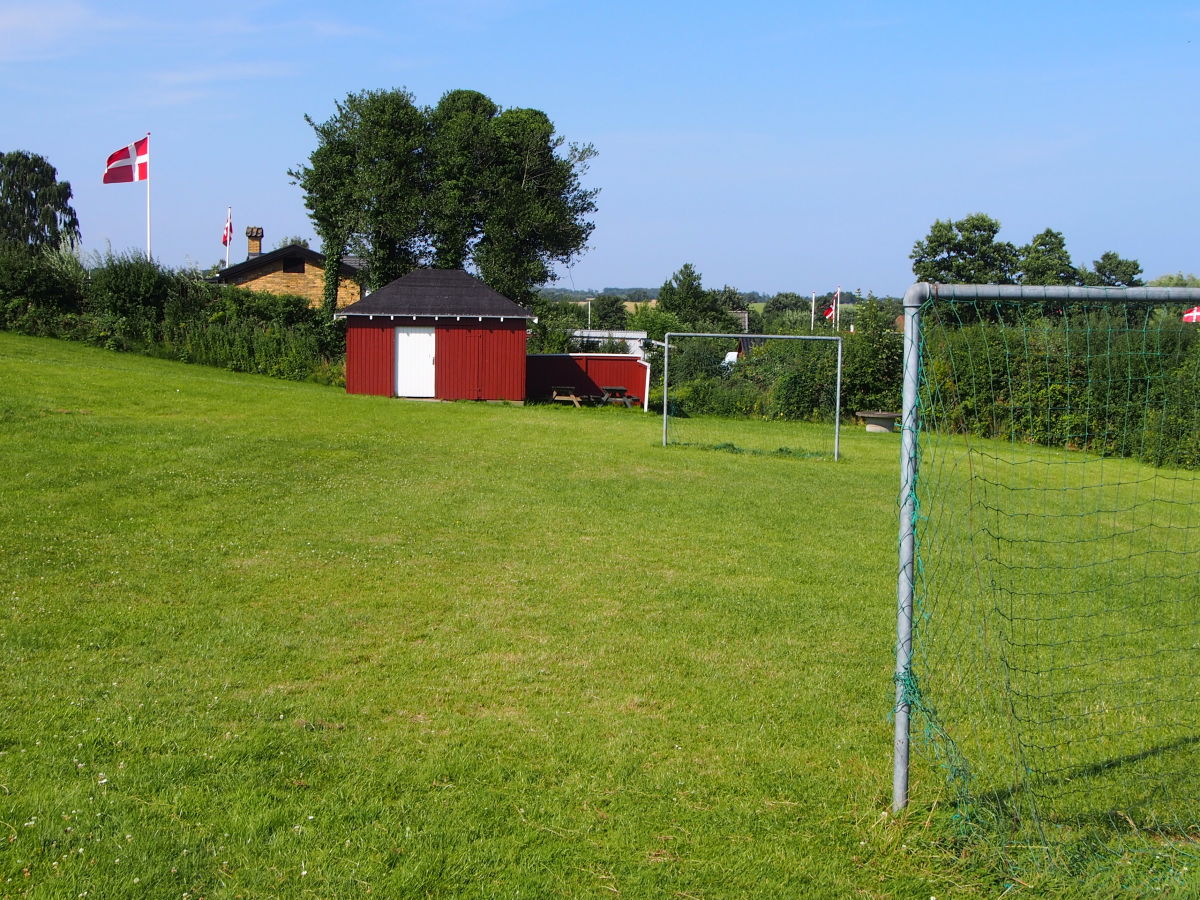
<point x="1045" y="260"/>
<point x="461" y="184"/>
<point x="965" y="252"/>
<point x="35" y="207"/>
<point x="684" y="296"/>
<point x="1111" y="270"/>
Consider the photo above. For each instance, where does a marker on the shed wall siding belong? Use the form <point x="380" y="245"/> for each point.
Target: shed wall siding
<point x="370" y="358"/>
<point x="481" y="360"/>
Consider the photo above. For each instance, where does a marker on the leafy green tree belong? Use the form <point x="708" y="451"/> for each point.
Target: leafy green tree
<point x="785" y="301"/>
<point x="727" y="298"/>
<point x="965" y="252"/>
<point x="35" y="207"/>
<point x="290" y="240"/>
<point x="873" y="364"/>
<point x="608" y="311"/>
<point x="684" y="296"/>
<point x="464" y="183"/>
<point x="1045" y="260"/>
<point x="654" y="320"/>
<point x="551" y="333"/>
<point x="1176" y="280"/>
<point x="1111" y="270"/>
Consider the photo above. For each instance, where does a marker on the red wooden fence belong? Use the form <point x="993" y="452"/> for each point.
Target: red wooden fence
<point x="588" y="373"/>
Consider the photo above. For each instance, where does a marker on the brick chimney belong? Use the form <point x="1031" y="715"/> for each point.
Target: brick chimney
<point x="253" y="242"/>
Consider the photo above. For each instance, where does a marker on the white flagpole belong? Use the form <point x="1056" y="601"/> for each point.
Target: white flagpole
<point x="837" y="309"/>
<point x="148" y="256"/>
<point x="812" y="325"/>
<point x="229" y="233"/>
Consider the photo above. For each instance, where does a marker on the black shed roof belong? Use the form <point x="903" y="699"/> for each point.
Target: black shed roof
<point x="437" y="293"/>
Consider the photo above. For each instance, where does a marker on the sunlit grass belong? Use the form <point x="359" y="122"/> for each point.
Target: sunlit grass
<point x="266" y="639"/>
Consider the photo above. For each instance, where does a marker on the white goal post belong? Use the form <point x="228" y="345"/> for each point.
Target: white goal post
<point x="837" y="401"/>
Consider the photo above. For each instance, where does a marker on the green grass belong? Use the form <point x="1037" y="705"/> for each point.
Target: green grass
<point x="265" y="639"/>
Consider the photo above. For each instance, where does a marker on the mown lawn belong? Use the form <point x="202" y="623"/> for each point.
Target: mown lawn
<point x="265" y="639"/>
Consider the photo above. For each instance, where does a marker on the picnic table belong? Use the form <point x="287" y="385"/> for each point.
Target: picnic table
<point x="565" y="393"/>
<point x="617" y="394"/>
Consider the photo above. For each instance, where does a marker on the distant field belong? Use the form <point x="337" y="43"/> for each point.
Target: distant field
<point x="266" y="639"/>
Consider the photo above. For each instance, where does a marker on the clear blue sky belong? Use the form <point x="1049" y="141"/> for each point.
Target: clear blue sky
<point x="774" y="145"/>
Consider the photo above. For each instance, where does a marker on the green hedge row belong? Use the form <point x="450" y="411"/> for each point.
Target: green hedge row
<point x="1111" y="382"/>
<point x="126" y="302"/>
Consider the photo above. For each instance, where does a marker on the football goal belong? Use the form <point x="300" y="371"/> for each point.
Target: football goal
<point x="1048" y="639"/>
<point x="784" y="389"/>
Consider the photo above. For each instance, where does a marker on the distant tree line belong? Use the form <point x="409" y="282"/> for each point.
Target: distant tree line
<point x="967" y="251"/>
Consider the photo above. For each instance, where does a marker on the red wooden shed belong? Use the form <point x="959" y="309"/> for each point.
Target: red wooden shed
<point x="439" y="333"/>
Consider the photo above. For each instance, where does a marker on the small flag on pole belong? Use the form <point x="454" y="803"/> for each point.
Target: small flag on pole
<point x="1192" y="315"/>
<point x="830" y="310"/>
<point x="227" y="234"/>
<point x="131" y="163"/>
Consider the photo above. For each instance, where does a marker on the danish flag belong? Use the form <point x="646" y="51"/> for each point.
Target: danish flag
<point x="1192" y="315"/>
<point x="227" y="234"/>
<point x="130" y="163"/>
<point x="831" y="310"/>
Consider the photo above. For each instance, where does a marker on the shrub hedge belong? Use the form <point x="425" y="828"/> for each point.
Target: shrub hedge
<point x="126" y="302"/>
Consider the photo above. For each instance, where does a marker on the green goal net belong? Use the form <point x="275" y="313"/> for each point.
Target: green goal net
<point x="1050" y="573"/>
<point x="777" y="394"/>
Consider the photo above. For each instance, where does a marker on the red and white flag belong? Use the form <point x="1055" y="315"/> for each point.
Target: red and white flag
<point x="130" y="163"/>
<point x="831" y="311"/>
<point x="1192" y="315"/>
<point x="227" y="234"/>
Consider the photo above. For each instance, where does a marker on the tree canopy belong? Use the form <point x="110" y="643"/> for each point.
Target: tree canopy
<point x="461" y="184"/>
<point x="967" y="252"/>
<point x="35" y="207"/>
<point x="685" y="297"/>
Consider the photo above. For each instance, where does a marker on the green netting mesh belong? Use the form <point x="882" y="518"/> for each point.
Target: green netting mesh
<point x="783" y="388"/>
<point x="1056" y="644"/>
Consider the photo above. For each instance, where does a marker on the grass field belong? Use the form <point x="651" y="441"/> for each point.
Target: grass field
<point x="265" y="639"/>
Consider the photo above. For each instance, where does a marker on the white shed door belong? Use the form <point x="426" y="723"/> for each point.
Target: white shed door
<point x="414" y="361"/>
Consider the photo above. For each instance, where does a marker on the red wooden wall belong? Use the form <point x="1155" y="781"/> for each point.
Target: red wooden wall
<point x="370" y="357"/>
<point x="474" y="360"/>
<point x="588" y="373"/>
<point x="480" y="360"/>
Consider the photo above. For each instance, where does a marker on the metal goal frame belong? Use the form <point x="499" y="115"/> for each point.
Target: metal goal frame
<point x="837" y="396"/>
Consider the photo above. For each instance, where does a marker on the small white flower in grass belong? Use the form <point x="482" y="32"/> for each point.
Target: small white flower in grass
<point x="101" y="778"/>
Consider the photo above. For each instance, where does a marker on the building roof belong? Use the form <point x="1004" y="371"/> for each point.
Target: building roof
<point x="265" y="260"/>
<point x="436" y="293"/>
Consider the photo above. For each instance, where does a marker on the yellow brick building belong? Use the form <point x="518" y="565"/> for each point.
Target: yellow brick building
<point x="289" y="270"/>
